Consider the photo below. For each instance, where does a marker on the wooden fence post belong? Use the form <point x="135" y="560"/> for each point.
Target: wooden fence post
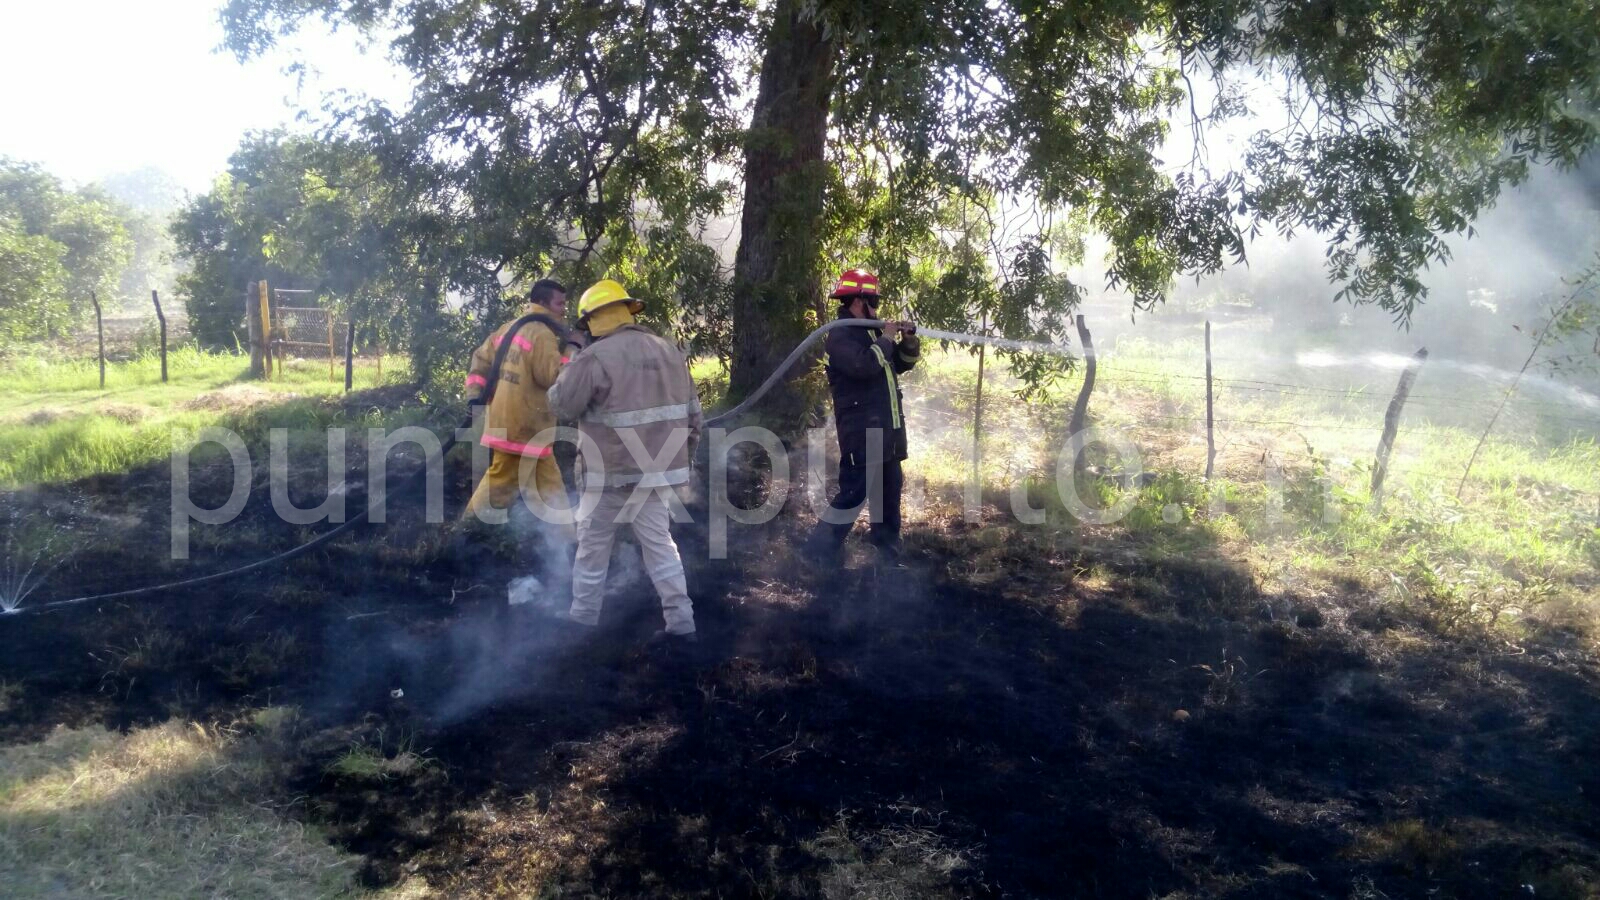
<point x="100" y="333"/>
<point x="1391" y="421"/>
<point x="279" y="343"/>
<point x="1211" y="437"/>
<point x="349" y="354"/>
<point x="252" y="323"/>
<point x="1080" y="410"/>
<point x="265" y="311"/>
<point x="162" y="318"/>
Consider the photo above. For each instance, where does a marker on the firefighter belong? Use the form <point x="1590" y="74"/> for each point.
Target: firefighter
<point x="518" y="413"/>
<point x="863" y="365"/>
<point x="635" y="404"/>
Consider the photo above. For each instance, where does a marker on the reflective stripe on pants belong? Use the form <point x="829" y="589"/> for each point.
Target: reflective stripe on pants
<point x="651" y="517"/>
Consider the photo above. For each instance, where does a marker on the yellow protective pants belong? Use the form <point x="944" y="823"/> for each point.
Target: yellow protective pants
<point x="508" y="477"/>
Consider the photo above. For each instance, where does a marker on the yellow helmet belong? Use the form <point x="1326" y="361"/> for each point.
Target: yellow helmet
<point x="604" y="293"/>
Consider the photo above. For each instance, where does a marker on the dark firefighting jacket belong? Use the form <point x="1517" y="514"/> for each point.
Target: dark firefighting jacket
<point x="862" y="367"/>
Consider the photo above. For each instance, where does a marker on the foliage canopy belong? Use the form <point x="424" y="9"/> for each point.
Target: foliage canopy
<point x="604" y="136"/>
<point x="56" y="247"/>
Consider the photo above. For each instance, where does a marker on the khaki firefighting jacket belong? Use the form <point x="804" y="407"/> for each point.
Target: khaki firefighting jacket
<point x="519" y="410"/>
<point x="634" y="401"/>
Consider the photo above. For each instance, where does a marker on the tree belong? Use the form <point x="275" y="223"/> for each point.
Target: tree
<point x="31" y="282"/>
<point x="80" y="231"/>
<point x="150" y="260"/>
<point x="545" y="131"/>
<point x="314" y="214"/>
<point x="149" y="191"/>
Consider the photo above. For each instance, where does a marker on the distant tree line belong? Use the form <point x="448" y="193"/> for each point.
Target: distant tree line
<point x="59" y="245"/>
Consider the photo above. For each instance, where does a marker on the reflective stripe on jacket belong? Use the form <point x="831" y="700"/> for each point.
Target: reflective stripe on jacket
<point x="519" y="410"/>
<point x="634" y="401"/>
<point x="863" y="367"/>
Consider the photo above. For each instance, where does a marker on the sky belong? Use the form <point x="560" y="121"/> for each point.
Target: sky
<point x="96" y="87"/>
<point x="99" y="87"/>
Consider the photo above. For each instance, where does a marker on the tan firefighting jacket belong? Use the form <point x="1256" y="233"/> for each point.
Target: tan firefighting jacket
<point x="632" y="396"/>
<point x="519" y="410"/>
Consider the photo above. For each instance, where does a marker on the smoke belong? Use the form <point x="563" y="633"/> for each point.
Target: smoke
<point x="515" y="654"/>
<point x="515" y="651"/>
<point x="1503" y="275"/>
<point x="551" y="547"/>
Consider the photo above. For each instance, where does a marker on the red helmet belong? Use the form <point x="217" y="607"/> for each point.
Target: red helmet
<point x="853" y="283"/>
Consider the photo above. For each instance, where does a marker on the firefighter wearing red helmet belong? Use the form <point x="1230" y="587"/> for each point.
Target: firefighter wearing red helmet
<point x="863" y="368"/>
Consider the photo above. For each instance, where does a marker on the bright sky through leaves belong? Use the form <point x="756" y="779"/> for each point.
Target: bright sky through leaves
<point x="94" y="87"/>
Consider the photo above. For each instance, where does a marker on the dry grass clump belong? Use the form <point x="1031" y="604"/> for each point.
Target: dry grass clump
<point x="887" y="864"/>
<point x="364" y="762"/>
<point x="1410" y="844"/>
<point x="178" y="810"/>
<point x="237" y="396"/>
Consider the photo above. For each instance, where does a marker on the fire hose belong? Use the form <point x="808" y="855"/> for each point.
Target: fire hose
<point x="744" y="406"/>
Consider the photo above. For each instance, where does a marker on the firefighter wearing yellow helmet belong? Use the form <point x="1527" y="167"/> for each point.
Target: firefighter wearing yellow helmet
<point x="630" y="392"/>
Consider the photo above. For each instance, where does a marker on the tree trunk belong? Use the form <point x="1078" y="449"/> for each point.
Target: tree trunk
<point x="776" y="277"/>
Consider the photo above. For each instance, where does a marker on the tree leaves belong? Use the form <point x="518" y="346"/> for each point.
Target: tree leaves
<point x="58" y="246"/>
<point x="582" y="138"/>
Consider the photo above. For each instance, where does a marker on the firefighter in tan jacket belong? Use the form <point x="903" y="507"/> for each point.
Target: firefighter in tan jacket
<point x="517" y="423"/>
<point x="636" y="407"/>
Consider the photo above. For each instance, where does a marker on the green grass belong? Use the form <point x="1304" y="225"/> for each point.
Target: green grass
<point x="1522" y="535"/>
<point x="1291" y="497"/>
<point x="711" y="379"/>
<point x="57" y="425"/>
<point x="381" y="762"/>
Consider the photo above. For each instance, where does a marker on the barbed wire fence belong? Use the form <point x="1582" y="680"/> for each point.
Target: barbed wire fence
<point x="1249" y="433"/>
<point x="120" y="334"/>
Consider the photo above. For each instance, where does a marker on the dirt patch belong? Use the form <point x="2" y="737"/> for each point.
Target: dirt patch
<point x="125" y="413"/>
<point x="42" y="417"/>
<point x="237" y="396"/>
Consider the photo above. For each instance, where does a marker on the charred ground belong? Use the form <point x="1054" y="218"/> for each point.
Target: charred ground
<point x="1002" y="718"/>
